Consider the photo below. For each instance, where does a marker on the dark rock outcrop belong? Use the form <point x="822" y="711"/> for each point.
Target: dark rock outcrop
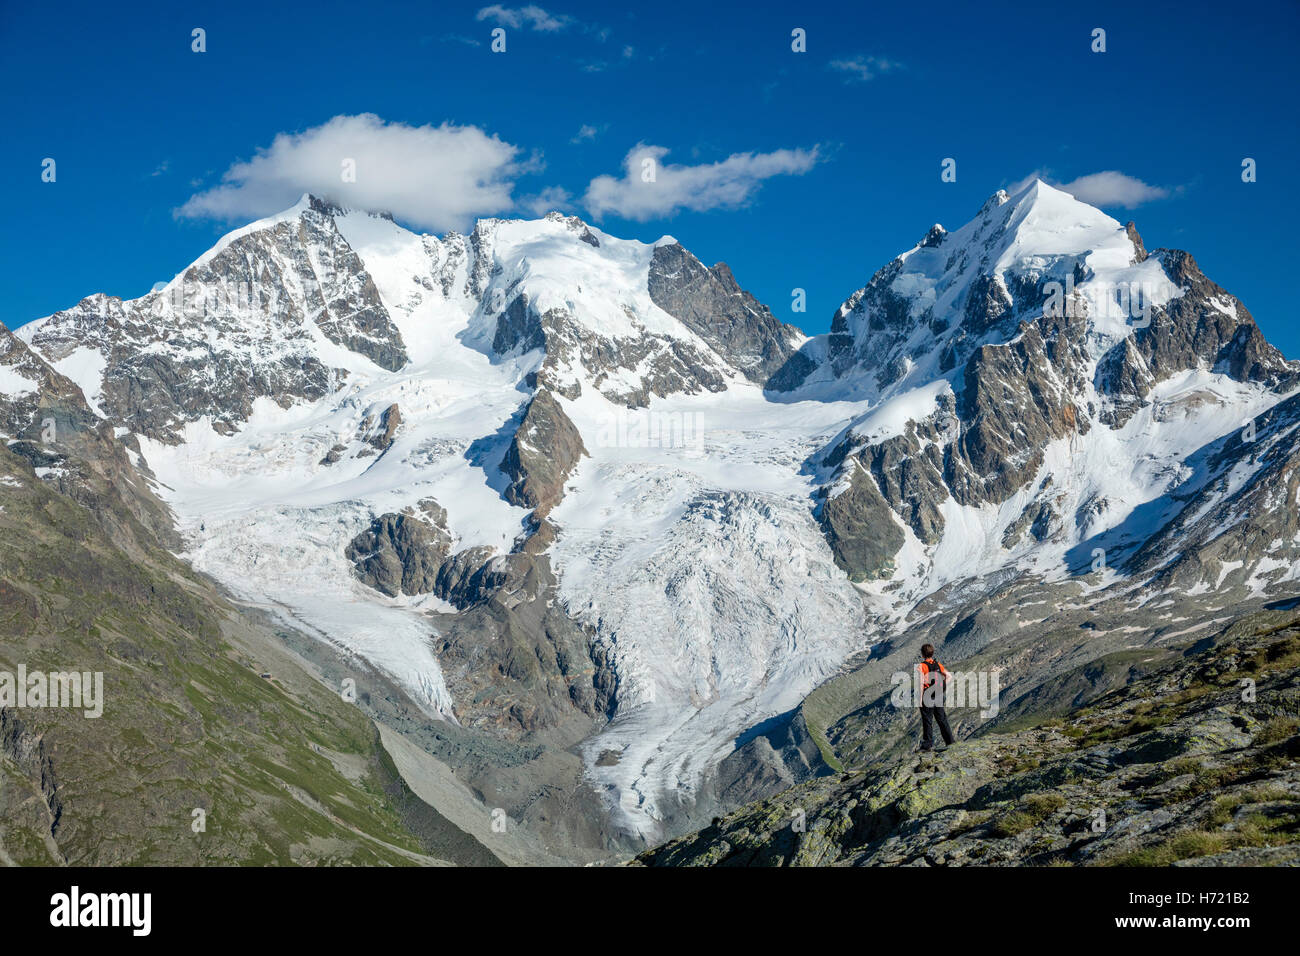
<point x="713" y="305"/>
<point x="860" y="527"/>
<point x="379" y="433"/>
<point x="542" y="454"/>
<point x="401" y="553"/>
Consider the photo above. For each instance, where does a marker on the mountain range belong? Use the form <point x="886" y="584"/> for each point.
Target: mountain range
<point x="604" y="548"/>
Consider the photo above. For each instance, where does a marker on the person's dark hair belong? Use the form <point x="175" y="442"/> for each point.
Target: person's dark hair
<point x="927" y="650"/>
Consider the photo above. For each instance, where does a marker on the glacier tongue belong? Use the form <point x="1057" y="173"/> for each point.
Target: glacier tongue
<point x="266" y="517"/>
<point x="702" y="571"/>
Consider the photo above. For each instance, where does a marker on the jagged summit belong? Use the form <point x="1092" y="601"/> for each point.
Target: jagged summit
<point x="925" y="313"/>
<point x="1006" y="364"/>
<point x="321" y="292"/>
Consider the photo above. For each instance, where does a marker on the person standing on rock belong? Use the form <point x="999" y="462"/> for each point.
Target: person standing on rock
<point x="933" y="677"/>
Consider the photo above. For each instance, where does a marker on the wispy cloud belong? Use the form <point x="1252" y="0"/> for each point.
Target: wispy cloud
<point x="862" y="68"/>
<point x="1113" y="188"/>
<point x="531" y="17"/>
<point x="550" y="198"/>
<point x="627" y="56"/>
<point x="586" y="132"/>
<point x="434" y="177"/>
<point x="1107" y="188"/>
<point x="650" y="188"/>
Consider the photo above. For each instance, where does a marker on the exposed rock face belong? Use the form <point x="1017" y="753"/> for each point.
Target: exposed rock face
<point x="713" y="305"/>
<point x="468" y="577"/>
<point x="862" y="532"/>
<point x="1139" y="250"/>
<point x="46" y="420"/>
<point x="334" y="455"/>
<point x="1039" y="519"/>
<point x="1035" y="347"/>
<point x="379" y="434"/>
<point x="400" y="553"/>
<point x="1175" y="765"/>
<point x="31" y="758"/>
<point x="908" y="470"/>
<point x="1204" y="326"/>
<point x="236" y="326"/>
<point x="1018" y="397"/>
<point x="515" y="662"/>
<point x="543" y="453"/>
<point x="665" y="365"/>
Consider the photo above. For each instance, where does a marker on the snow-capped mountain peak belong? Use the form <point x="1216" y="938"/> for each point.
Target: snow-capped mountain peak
<point x="1008" y="365"/>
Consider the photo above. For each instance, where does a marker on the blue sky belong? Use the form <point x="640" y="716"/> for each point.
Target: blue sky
<point x="837" y="150"/>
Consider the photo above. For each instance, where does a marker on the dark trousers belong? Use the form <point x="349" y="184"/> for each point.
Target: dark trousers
<point x="928" y="716"/>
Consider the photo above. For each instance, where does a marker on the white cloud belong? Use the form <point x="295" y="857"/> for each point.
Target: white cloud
<point x="726" y="184"/>
<point x="530" y="17"/>
<point x="552" y="197"/>
<point x="861" y="68"/>
<point x="1020" y="184"/>
<point x="433" y="177"/>
<point x="587" y="131"/>
<point x="1112" y="188"/>
<point x="1108" y="188"/>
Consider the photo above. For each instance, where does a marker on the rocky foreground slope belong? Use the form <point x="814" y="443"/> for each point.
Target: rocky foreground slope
<point x="1196" y="761"/>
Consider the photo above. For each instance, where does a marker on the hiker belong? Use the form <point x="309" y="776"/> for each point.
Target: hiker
<point x="933" y="677"/>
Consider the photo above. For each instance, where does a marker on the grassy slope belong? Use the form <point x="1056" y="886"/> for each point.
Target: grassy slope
<point x="286" y="771"/>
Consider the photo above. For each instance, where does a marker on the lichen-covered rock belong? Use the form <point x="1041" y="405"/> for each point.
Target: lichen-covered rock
<point x="1172" y="767"/>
